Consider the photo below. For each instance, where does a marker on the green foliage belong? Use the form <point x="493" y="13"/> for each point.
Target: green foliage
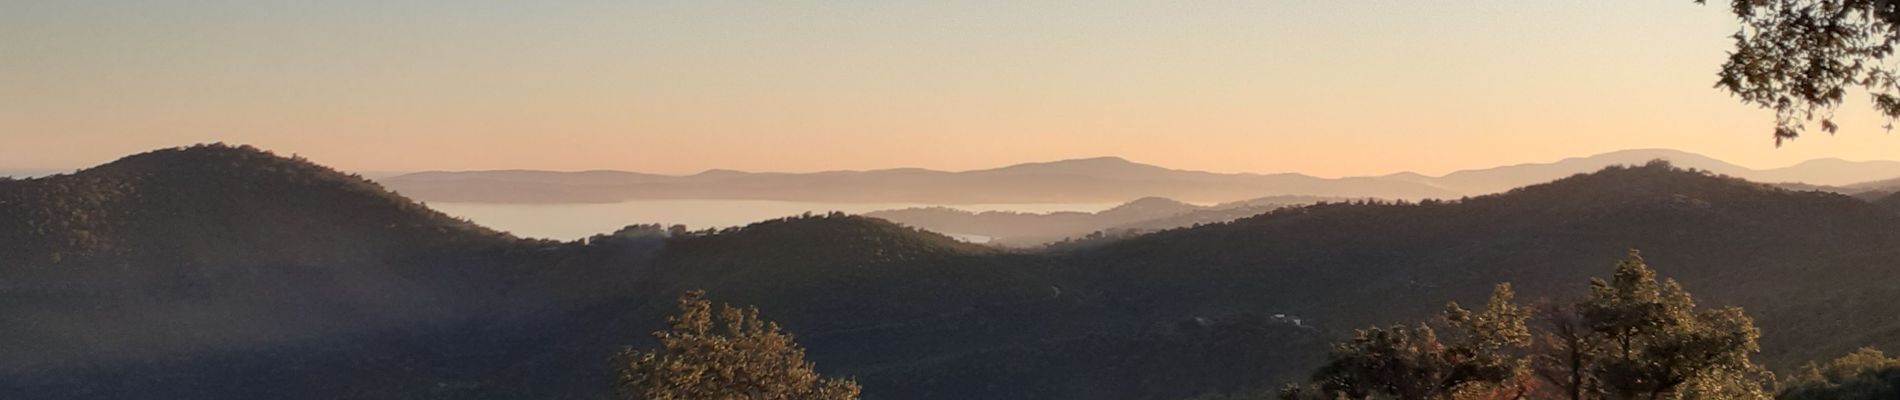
<point x="734" y="356"/>
<point x="1800" y="57"/>
<point x="1866" y="374"/>
<point x="1224" y="357"/>
<point x="1632" y="338"/>
<point x="1658" y="346"/>
<point x="1415" y="363"/>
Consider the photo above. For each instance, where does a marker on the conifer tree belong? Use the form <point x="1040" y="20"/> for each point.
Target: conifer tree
<point x="1866" y="374"/>
<point x="1657" y="346"/>
<point x="1633" y="337"/>
<point x="1417" y="363"/>
<point x="733" y="356"/>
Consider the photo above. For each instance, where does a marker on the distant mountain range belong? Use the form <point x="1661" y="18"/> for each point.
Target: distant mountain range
<point x="1100" y="180"/>
<point x="217" y="272"/>
<point x="1148" y="214"/>
<point x="1885" y="186"/>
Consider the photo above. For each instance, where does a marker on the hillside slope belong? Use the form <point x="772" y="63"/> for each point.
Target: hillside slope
<point x="210" y="247"/>
<point x="1019" y="229"/>
<point x="1799" y="261"/>
<point x="1891" y="201"/>
<point x="1031" y="230"/>
<point x="218" y="272"/>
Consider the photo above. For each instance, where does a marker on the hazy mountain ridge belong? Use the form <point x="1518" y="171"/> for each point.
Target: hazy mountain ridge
<point x="1222" y="212"/>
<point x="1018" y="229"/>
<point x="1101" y="179"/>
<point x="1728" y="240"/>
<point x="912" y="314"/>
<point x="1105" y="179"/>
<point x="1887" y="185"/>
<point x="1024" y="230"/>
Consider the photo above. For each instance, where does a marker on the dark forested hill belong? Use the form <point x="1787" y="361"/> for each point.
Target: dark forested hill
<point x="1019" y="229"/>
<point x="1798" y="261"/>
<point x="1885" y="185"/>
<point x="1890" y="201"/>
<point x="184" y="253"/>
<point x="210" y="205"/>
<point x="219" y="272"/>
<point x="1029" y="230"/>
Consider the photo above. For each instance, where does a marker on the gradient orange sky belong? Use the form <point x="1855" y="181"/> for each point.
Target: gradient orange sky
<point x="1331" y="88"/>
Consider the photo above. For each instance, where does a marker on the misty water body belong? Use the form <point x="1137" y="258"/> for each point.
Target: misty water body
<point x="573" y="221"/>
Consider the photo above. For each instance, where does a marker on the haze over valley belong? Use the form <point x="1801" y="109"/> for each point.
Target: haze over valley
<point x="951" y="200"/>
<point x="1022" y="205"/>
<point x="1091" y="180"/>
<point x="572" y="221"/>
<point x="287" y="264"/>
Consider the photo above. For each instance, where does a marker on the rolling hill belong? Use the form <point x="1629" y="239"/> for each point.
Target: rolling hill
<point x="239" y="246"/>
<point x="1105" y="179"/>
<point x="226" y="272"/>
<point x="1028" y="230"/>
<point x="1791" y="258"/>
<point x="1089" y="180"/>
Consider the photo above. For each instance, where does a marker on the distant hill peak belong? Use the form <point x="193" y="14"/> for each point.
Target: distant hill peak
<point x="188" y="205"/>
<point x="1080" y="162"/>
<point x="1094" y="160"/>
<point x="1102" y="166"/>
<point x="1151" y="203"/>
<point x="1077" y="180"/>
<point x="1154" y="200"/>
<point x="838" y="230"/>
<point x="1647" y="152"/>
<point x="1833" y="162"/>
<point x="1828" y="160"/>
<point x="716" y="172"/>
<point x="1654" y="179"/>
<point x="231" y="164"/>
<point x="1619" y="157"/>
<point x="204" y="152"/>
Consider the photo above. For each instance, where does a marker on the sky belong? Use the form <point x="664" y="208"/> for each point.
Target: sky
<point x="1330" y="88"/>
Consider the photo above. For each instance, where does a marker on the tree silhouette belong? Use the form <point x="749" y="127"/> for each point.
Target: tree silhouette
<point x="1866" y="374"/>
<point x="1800" y="57"/>
<point x="742" y="358"/>
<point x="1657" y="345"/>
<point x="1417" y="363"/>
<point x="1634" y="337"/>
